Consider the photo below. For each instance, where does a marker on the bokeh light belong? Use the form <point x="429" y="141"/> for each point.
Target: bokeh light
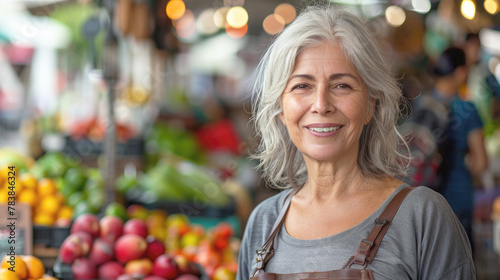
<point x="237" y="17"/>
<point x="205" y="23"/>
<point x="395" y="15"/>
<point x="421" y="6"/>
<point x="468" y="9"/>
<point x="175" y="9"/>
<point x="220" y="17"/>
<point x="185" y="26"/>
<point x="286" y="11"/>
<point x="236" y="32"/>
<point x="491" y="6"/>
<point x="273" y="24"/>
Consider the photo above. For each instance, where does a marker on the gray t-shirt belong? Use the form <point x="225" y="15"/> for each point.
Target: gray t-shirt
<point x="424" y="241"/>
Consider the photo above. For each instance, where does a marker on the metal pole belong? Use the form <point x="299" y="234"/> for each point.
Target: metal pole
<point x="110" y="74"/>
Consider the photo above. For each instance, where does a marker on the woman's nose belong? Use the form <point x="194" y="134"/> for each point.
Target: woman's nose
<point x="322" y="103"/>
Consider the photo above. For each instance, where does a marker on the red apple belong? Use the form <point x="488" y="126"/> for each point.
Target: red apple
<point x="87" y="223"/>
<point x="71" y="249"/>
<point x="155" y="248"/>
<point x="110" y="270"/>
<point x="153" y="277"/>
<point x="111" y="227"/>
<point x="130" y="247"/>
<point x="86" y="241"/>
<point x="187" y="277"/>
<point x="165" y="266"/>
<point x="136" y="226"/>
<point x="83" y="268"/>
<point x="102" y="251"/>
<point x="126" y="277"/>
<point x="139" y="268"/>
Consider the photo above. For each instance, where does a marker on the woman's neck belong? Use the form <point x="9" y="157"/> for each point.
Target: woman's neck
<point x="327" y="181"/>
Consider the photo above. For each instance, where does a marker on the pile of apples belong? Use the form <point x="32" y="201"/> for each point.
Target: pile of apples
<point x="215" y="248"/>
<point x="111" y="249"/>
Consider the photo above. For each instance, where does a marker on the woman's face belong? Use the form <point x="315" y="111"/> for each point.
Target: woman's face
<point x="325" y="104"/>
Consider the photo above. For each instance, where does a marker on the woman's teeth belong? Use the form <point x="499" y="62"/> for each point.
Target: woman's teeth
<point x="324" y="129"/>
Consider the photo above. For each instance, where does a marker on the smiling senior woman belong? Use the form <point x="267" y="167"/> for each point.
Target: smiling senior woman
<point x="326" y="106"/>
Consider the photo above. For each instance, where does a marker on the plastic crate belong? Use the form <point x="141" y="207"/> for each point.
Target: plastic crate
<point x="50" y="236"/>
<point x="89" y="148"/>
<point x="188" y="208"/>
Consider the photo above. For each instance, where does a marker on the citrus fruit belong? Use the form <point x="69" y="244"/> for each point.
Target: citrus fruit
<point x="28" y="196"/>
<point x="76" y="198"/>
<point x="28" y="181"/>
<point x="65" y="212"/>
<point x="43" y="219"/>
<point x="6" y="274"/>
<point x="50" y="204"/>
<point x="46" y="186"/>
<point x="116" y="209"/>
<point x="19" y="266"/>
<point x="36" y="269"/>
<point x="4" y="197"/>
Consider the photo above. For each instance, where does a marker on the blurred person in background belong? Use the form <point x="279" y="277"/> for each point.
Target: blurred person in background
<point x="325" y="106"/>
<point x="465" y="155"/>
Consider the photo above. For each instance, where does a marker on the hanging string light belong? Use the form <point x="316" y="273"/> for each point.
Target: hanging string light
<point x="491" y="6"/>
<point x="237" y="17"/>
<point x="273" y="24"/>
<point x="175" y="9"/>
<point x="395" y="15"/>
<point x="468" y="9"/>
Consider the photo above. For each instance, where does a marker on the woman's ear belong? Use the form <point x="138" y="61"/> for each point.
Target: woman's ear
<point x="371" y="110"/>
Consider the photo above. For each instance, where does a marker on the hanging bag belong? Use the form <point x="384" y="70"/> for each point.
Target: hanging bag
<point x="364" y="255"/>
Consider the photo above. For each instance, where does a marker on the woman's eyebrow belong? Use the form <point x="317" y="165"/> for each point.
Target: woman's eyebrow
<point x="341" y="75"/>
<point x="332" y="77"/>
<point x="302" y="76"/>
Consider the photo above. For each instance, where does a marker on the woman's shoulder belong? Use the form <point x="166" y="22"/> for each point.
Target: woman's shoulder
<point x="425" y="196"/>
<point x="426" y="204"/>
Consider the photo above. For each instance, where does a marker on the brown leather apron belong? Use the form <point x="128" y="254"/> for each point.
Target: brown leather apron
<point x="364" y="256"/>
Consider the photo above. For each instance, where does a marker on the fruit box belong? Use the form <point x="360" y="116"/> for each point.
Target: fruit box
<point x="50" y="236"/>
<point x="190" y="209"/>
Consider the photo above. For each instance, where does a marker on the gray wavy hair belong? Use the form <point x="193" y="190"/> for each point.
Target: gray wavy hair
<point x="281" y="163"/>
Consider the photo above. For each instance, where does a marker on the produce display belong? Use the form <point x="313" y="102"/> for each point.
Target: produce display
<point x="22" y="267"/>
<point x="172" y="182"/>
<point x="55" y="187"/>
<point x="149" y="245"/>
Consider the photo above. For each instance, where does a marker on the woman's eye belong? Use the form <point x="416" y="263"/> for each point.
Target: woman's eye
<point x="299" y="86"/>
<point x="342" y="86"/>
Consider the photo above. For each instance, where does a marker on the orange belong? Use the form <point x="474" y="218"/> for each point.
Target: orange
<point x="49" y="204"/>
<point x="28" y="181"/>
<point x="65" y="212"/>
<point x="28" y="196"/>
<point x="19" y="266"/>
<point x="43" y="219"/>
<point x="4" y="197"/>
<point x="6" y="274"/>
<point x="46" y="186"/>
<point x="36" y="269"/>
